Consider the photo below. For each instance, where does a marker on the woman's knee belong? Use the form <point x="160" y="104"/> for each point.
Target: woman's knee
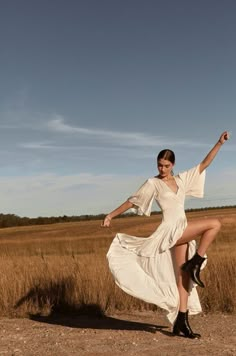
<point x="216" y="224"/>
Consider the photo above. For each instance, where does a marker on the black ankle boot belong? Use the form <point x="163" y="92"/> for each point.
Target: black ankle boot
<point x="193" y="267"/>
<point x="181" y="325"/>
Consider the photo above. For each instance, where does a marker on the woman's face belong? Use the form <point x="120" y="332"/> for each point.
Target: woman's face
<point x="164" y="167"/>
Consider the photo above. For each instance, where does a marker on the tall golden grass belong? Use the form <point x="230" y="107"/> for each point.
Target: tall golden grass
<point x="63" y="267"/>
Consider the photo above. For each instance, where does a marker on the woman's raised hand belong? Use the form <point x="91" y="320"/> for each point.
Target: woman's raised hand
<point x="224" y="137"/>
<point x="106" y="222"/>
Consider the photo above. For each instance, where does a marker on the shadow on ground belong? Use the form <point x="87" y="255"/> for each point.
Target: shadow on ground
<point x="86" y="316"/>
<point x="92" y="317"/>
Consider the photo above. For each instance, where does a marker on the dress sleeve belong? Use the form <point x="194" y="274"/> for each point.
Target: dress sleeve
<point x="193" y="182"/>
<point x="143" y="198"/>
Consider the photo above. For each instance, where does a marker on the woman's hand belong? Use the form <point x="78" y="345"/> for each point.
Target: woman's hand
<point x="224" y="137"/>
<point x="121" y="209"/>
<point x="106" y="222"/>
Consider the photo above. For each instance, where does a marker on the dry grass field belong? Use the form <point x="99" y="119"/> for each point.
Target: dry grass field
<point x="58" y="298"/>
<point x="63" y="267"/>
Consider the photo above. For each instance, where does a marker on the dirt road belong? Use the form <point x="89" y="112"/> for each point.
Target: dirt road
<point x="142" y="333"/>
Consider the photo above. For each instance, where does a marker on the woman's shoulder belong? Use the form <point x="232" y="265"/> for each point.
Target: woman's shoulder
<point x="154" y="181"/>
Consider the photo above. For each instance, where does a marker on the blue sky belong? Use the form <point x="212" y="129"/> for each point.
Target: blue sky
<point x="92" y="90"/>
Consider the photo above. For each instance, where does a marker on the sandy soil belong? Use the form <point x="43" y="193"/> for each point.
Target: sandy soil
<point x="142" y="333"/>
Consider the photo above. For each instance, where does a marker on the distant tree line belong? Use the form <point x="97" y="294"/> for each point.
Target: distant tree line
<point x="11" y="220"/>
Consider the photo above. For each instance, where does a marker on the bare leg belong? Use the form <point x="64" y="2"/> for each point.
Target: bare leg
<point x="206" y="228"/>
<point x="180" y="254"/>
<point x="181" y="324"/>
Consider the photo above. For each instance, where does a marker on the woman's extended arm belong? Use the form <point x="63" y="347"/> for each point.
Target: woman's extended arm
<point x="121" y="209"/>
<point x="211" y="155"/>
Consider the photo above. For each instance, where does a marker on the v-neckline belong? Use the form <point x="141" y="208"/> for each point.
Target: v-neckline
<point x="175" y="193"/>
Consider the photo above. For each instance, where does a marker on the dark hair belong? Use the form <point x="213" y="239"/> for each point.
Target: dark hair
<point x="166" y="154"/>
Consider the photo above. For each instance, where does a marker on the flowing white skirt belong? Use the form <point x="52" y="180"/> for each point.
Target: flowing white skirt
<point x="143" y="268"/>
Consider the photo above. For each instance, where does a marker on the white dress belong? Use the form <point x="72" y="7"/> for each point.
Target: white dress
<point x="143" y="266"/>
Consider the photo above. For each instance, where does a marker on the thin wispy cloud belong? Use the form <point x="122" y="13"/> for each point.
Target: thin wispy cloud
<point x="53" y="182"/>
<point x="85" y="151"/>
<point x="58" y="124"/>
<point x="56" y="130"/>
<point x="128" y="138"/>
<point x="40" y="145"/>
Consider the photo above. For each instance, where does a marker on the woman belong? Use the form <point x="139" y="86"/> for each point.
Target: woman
<point x="164" y="268"/>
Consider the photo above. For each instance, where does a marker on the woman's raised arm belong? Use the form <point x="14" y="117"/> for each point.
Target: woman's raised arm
<point x="213" y="152"/>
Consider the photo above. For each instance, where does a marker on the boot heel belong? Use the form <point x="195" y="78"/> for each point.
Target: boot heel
<point x="181" y="326"/>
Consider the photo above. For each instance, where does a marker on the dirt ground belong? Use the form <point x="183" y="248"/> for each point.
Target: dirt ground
<point x="141" y="333"/>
